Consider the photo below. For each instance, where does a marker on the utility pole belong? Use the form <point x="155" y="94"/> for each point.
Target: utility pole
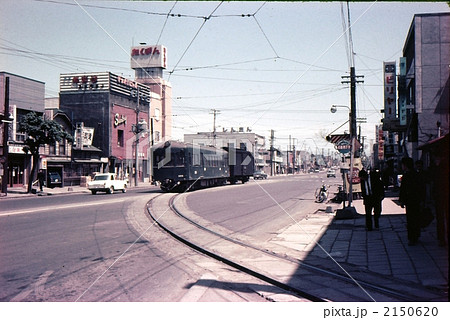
<point x="288" y="162"/>
<point x="5" y="140"/>
<point x="353" y="81"/>
<point x="214" y="112"/>
<point x="272" y="138"/>
<point x="136" y="154"/>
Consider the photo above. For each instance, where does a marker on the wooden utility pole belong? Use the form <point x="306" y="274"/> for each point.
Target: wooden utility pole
<point x="5" y="140"/>
<point x="215" y="112"/>
<point x="272" y="138"/>
<point x="353" y="81"/>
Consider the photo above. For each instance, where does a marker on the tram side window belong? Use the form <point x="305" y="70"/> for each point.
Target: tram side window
<point x="176" y="159"/>
<point x="180" y="159"/>
<point x="214" y="160"/>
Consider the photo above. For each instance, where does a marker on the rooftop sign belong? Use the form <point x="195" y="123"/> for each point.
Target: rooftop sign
<point x="148" y="57"/>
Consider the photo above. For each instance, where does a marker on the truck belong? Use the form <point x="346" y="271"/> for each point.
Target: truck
<point x="107" y="182"/>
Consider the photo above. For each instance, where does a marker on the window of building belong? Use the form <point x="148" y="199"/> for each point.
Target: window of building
<point x="62" y="147"/>
<point x="120" y="138"/>
<point x="157" y="114"/>
<point x="52" y="148"/>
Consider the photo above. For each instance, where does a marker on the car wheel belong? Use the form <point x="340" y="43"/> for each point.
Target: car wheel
<point x="111" y="190"/>
<point x="93" y="191"/>
<point x="124" y="189"/>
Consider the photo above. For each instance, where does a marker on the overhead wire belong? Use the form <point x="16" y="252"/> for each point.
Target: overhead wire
<point x="176" y="69"/>
<point x="195" y="36"/>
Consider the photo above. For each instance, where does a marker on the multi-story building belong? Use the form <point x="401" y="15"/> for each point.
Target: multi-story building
<point x="421" y="113"/>
<point x="25" y="95"/>
<point x="427" y="80"/>
<point x="111" y="114"/>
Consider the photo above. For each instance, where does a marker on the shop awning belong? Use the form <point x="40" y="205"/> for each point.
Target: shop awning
<point x="435" y="143"/>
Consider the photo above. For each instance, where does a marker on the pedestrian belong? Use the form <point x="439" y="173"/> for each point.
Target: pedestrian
<point x="410" y="198"/>
<point x="41" y="179"/>
<point x="372" y="190"/>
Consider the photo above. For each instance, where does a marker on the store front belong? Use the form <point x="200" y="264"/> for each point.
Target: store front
<point x="17" y="166"/>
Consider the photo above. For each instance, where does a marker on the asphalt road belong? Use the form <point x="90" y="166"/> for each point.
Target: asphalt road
<point x="259" y="208"/>
<point x="82" y="247"/>
<point x="86" y="248"/>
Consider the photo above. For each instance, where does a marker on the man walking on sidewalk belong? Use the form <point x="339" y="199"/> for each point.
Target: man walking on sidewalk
<point x="410" y="198"/>
<point x="372" y="190"/>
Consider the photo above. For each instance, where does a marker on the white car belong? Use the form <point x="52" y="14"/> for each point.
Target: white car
<point x="331" y="173"/>
<point x="107" y="182"/>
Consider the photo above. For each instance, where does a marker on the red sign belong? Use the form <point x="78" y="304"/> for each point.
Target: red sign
<point x="355" y="176"/>
<point x="145" y="51"/>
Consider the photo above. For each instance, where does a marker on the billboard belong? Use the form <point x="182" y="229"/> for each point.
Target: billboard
<point x="148" y="57"/>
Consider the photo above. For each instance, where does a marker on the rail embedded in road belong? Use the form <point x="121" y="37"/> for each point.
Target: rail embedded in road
<point x="280" y="270"/>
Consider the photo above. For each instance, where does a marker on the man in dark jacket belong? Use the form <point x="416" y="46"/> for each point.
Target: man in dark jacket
<point x="410" y="198"/>
<point x="372" y="190"/>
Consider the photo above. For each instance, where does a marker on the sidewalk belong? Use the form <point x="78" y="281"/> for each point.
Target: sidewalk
<point x="384" y="251"/>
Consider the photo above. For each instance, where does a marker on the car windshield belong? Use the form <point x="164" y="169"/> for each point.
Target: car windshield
<point x="100" y="178"/>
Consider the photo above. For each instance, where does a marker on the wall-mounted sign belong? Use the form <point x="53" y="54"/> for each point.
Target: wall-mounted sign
<point x="119" y="119"/>
<point x="83" y="135"/>
<point x="81" y="82"/>
<point x="380" y="141"/>
<point x="390" y="90"/>
<point x="18" y="149"/>
<point x="130" y="88"/>
<point x="84" y="81"/>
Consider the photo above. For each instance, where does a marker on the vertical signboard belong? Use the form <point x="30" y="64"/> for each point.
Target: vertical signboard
<point x="402" y="93"/>
<point x="389" y="90"/>
<point x="380" y="141"/>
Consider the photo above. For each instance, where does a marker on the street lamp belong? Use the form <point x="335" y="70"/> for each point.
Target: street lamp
<point x="333" y="109"/>
<point x="6" y="119"/>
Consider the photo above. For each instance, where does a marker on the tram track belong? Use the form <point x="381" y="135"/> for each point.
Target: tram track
<point x="304" y="280"/>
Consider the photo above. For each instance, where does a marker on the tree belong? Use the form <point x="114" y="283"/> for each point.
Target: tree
<point x="39" y="132"/>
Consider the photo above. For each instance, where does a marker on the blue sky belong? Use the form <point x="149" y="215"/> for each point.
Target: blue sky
<point x="264" y="65"/>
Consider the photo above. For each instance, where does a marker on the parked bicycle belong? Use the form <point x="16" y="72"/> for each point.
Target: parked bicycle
<point x="321" y="193"/>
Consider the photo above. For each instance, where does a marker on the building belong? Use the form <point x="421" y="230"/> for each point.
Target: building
<point x="57" y="157"/>
<point x="111" y="115"/>
<point x="426" y="81"/>
<point x="421" y="112"/>
<point x="25" y="95"/>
